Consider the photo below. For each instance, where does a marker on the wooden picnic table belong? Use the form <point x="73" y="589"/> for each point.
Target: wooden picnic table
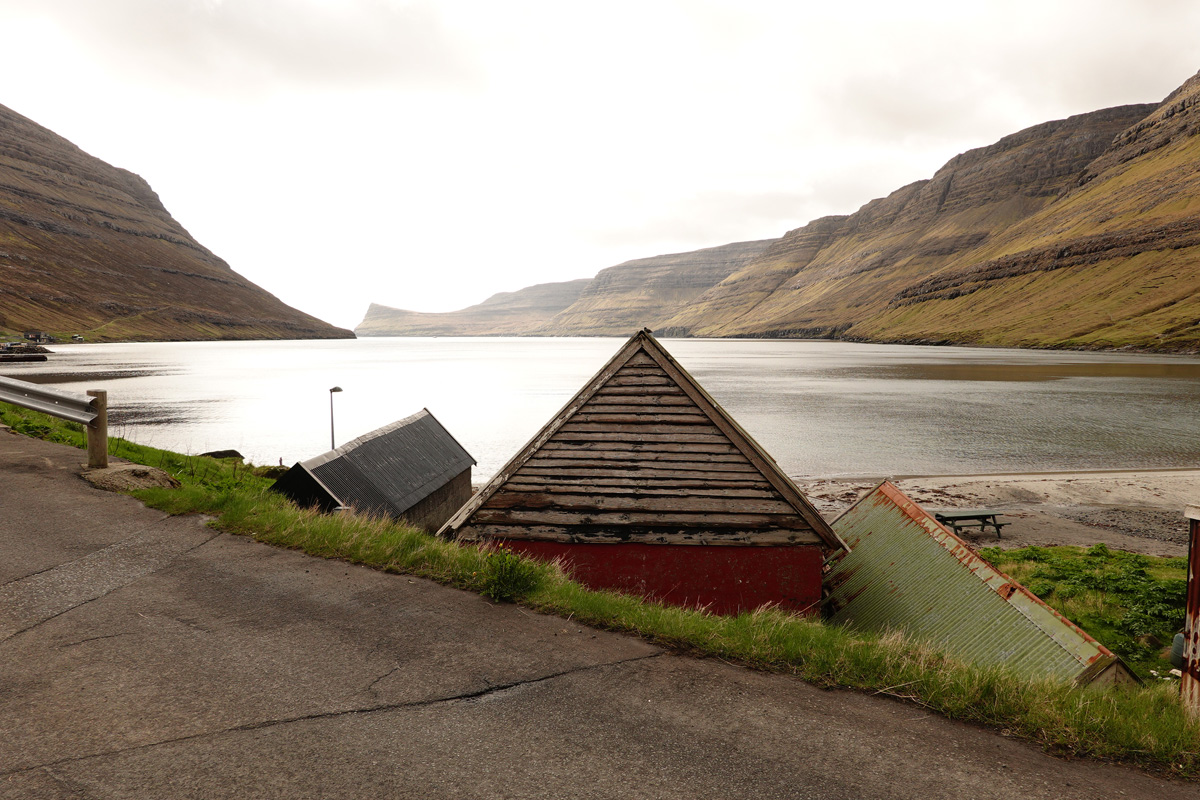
<point x="958" y="518"/>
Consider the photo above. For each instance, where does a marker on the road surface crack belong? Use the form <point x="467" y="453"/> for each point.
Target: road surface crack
<point x="327" y="715"/>
<point x="6" y="636"/>
<point x="53" y="567"/>
<point x="92" y="639"/>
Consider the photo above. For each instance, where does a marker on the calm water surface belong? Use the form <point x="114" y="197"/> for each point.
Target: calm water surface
<point x="820" y="408"/>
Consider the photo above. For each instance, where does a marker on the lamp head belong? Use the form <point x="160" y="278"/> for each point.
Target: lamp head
<point x="335" y="389"/>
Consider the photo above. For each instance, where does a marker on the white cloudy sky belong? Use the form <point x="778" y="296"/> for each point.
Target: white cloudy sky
<point x="425" y="154"/>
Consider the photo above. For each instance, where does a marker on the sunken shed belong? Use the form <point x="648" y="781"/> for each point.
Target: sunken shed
<point x="905" y="571"/>
<point x="412" y="469"/>
<point x="643" y="483"/>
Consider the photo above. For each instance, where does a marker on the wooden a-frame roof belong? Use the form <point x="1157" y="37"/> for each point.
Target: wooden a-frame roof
<point x="642" y="454"/>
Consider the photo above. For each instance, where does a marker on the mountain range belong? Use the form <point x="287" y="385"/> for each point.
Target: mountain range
<point x="1081" y="232"/>
<point x="88" y="249"/>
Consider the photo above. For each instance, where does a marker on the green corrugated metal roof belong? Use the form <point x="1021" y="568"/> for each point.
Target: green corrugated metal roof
<point x="905" y="571"/>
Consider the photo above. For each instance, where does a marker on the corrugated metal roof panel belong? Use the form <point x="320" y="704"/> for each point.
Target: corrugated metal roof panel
<point x="390" y="470"/>
<point x="905" y="571"/>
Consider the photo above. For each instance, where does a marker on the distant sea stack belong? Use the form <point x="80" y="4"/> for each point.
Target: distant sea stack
<point x="87" y="248"/>
<point x="628" y="297"/>
<point x="504" y="314"/>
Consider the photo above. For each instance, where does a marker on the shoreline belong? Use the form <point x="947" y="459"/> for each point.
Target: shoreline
<point x="971" y="475"/>
<point x="1136" y="510"/>
<point x="1045" y="509"/>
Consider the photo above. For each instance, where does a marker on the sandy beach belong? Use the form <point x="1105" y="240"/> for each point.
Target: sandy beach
<point x="1139" y="510"/>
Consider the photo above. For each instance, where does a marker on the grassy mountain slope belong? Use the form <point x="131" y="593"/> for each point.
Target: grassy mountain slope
<point x="1114" y="261"/>
<point x="88" y="248"/>
<point x="1083" y="232"/>
<point x="839" y="272"/>
<point x="645" y="292"/>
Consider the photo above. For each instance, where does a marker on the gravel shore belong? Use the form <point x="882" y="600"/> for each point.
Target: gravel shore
<point x="1140" y="510"/>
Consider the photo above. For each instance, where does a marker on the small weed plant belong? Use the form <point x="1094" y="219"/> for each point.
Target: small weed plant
<point x="507" y="576"/>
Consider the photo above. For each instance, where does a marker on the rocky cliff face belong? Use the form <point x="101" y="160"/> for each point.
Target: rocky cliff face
<point x="1081" y="232"/>
<point x="88" y="248"/>
<point x="617" y="302"/>
<point x="644" y="293"/>
<point x="1112" y="261"/>
<point x="836" y="272"/>
<point x="518" y="313"/>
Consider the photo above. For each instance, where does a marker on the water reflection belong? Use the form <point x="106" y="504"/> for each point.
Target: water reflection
<point x="1024" y="373"/>
<point x="820" y="408"/>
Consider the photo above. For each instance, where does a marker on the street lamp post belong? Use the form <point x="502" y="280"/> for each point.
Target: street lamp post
<point x="332" y="446"/>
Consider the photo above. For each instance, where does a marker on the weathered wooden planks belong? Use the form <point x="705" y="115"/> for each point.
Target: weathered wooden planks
<point x="640" y="409"/>
<point x="642" y="454"/>
<point x="640" y="380"/>
<point x="686" y="535"/>
<point x="702" y="489"/>
<point x="607" y="434"/>
<point x="638" y="399"/>
<point x="685" y="504"/>
<point x="618" y="519"/>
<point x="729" y="480"/>
<point x="640" y="420"/>
<point x="646" y="457"/>
<point x="640" y="428"/>
<point x="554" y="470"/>
<point x="698" y="448"/>
<point x="634" y="390"/>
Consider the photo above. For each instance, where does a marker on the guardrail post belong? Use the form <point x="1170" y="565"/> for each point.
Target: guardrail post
<point x="1189" y="683"/>
<point x="97" y="430"/>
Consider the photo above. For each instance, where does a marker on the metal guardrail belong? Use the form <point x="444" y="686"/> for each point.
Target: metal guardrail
<point x="90" y="410"/>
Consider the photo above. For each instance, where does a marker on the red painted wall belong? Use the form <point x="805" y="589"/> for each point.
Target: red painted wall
<point x="723" y="579"/>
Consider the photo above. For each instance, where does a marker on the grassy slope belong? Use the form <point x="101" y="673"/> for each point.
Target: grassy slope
<point x="1148" y="300"/>
<point x="88" y="248"/>
<point x="837" y="298"/>
<point x="1145" y="726"/>
<point x="847" y="283"/>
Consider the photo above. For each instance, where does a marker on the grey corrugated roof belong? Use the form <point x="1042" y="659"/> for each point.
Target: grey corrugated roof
<point x="390" y="470"/>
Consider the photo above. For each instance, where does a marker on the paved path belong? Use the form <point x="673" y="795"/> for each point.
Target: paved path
<point x="143" y="656"/>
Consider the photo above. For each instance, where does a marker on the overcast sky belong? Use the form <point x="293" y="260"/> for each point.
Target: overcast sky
<point x="425" y="155"/>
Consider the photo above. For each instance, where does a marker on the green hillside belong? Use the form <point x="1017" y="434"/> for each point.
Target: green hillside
<point x="1077" y="233"/>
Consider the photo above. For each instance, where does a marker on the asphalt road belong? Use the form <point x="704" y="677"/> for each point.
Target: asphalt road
<point x="143" y="656"/>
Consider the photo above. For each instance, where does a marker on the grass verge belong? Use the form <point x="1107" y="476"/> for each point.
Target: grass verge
<point x="1146" y="726"/>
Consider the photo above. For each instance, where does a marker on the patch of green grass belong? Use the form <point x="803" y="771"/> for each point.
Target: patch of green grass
<point x="41" y="426"/>
<point x="194" y="472"/>
<point x="1145" y="726"/>
<point x="1126" y="601"/>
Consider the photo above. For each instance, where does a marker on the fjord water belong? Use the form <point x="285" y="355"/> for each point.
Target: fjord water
<point x="820" y="408"/>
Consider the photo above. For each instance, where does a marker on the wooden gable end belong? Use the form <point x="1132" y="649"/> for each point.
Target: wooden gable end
<point x="642" y="455"/>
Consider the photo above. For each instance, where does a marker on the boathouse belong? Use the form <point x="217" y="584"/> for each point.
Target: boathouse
<point x="905" y="571"/>
<point x="642" y="483"/>
<point x="412" y="469"/>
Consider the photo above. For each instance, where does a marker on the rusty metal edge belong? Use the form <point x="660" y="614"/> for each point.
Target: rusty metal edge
<point x="966" y="555"/>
